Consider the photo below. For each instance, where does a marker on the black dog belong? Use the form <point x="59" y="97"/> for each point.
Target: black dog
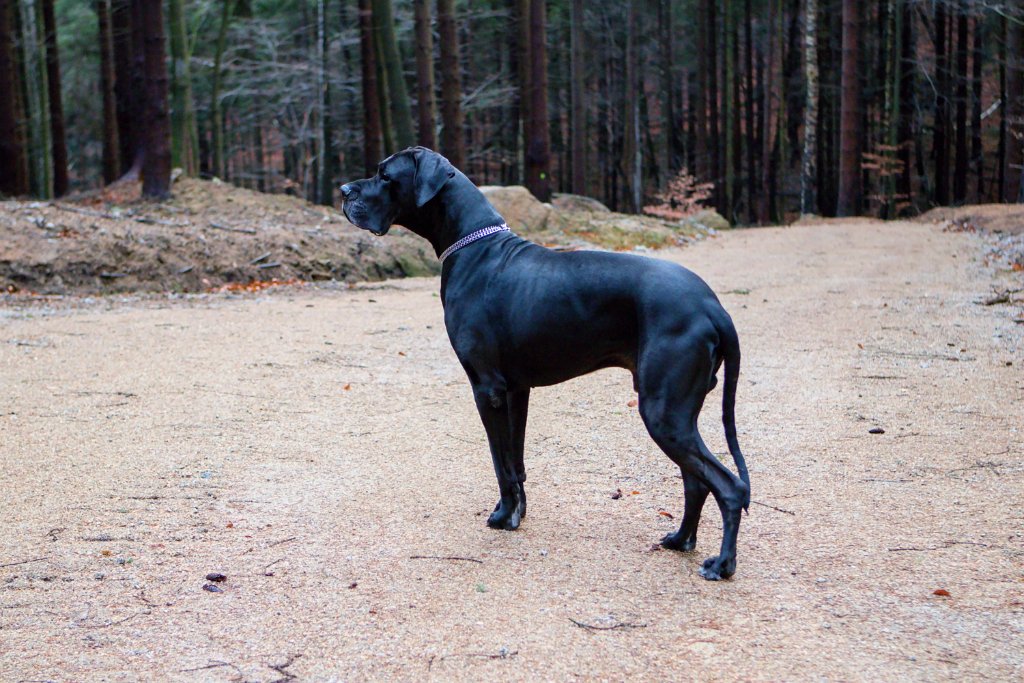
<point x="520" y="316"/>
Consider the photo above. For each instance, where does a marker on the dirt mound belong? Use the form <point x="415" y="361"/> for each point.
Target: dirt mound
<point x="212" y="234"/>
<point x="1001" y="225"/>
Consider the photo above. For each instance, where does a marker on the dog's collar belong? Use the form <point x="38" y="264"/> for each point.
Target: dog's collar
<point x="472" y="237"/>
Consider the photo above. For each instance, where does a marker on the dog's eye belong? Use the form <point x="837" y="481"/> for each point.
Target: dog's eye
<point x="384" y="176"/>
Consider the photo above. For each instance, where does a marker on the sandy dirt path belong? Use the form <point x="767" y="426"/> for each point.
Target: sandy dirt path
<point x="321" y="449"/>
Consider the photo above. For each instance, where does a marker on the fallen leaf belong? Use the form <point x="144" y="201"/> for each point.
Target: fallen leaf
<point x="347" y="387"/>
<point x="941" y="591"/>
<point x="231" y="525"/>
<point x="106" y="553"/>
<point x="665" y="514"/>
<point x="216" y="577"/>
<point x="635" y="493"/>
<point x="633" y="404"/>
<point x="401" y="353"/>
<point x="860" y="346"/>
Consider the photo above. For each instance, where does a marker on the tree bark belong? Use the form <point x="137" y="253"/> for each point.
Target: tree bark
<point x="325" y="194"/>
<point x="632" y="155"/>
<point x="977" y="149"/>
<point x="216" y="106"/>
<point x="184" y="138"/>
<point x="371" y="97"/>
<point x="111" y="161"/>
<point x="809" y="172"/>
<point x="425" y="106"/>
<point x="398" y="95"/>
<point x="941" y="140"/>
<point x="962" y="160"/>
<point x="578" y="129"/>
<point x="851" y="139"/>
<point x="57" y="134"/>
<point x="1015" y="111"/>
<point x="538" y="144"/>
<point x="908" y="104"/>
<point x="121" y="38"/>
<point x="156" y="166"/>
<point x="14" y="167"/>
<point x="453" y="144"/>
<point x="714" y="142"/>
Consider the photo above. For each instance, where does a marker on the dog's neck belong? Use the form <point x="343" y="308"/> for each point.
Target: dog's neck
<point x="458" y="210"/>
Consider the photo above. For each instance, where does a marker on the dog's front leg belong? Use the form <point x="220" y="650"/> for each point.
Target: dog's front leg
<point x="518" y="403"/>
<point x="493" y="405"/>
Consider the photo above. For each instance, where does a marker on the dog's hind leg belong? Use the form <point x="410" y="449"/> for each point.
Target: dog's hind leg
<point x="673" y="383"/>
<point x="518" y="404"/>
<point x="685" y="539"/>
<point x="493" y="406"/>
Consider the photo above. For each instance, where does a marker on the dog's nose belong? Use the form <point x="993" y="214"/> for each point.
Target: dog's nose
<point x="346" y="190"/>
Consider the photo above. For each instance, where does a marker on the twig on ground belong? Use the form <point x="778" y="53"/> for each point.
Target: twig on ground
<point x="283" y="540"/>
<point x="280" y="668"/>
<point x="115" y="623"/>
<point x="218" y="226"/>
<point x="262" y="257"/>
<point x="214" y="664"/>
<point x="35" y="559"/>
<point x="445" y="557"/>
<point x="945" y="544"/>
<point x="592" y="627"/>
<point x="788" y="512"/>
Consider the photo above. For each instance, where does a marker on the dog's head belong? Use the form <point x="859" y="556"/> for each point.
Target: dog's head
<point x="404" y="183"/>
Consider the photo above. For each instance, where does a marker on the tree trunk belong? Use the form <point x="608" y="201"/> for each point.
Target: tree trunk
<point x="425" y="107"/>
<point x="850" y="145"/>
<point x="962" y="161"/>
<point x="184" y="138"/>
<point x="14" y="168"/>
<point x="538" y="144"/>
<point x="371" y="97"/>
<point x="977" y="62"/>
<point x="941" y="141"/>
<point x="156" y="166"/>
<point x="38" y="109"/>
<point x="391" y="61"/>
<point x="672" y="141"/>
<point x="809" y="172"/>
<point x="578" y="130"/>
<point x="325" y="194"/>
<point x="1015" y="111"/>
<point x="57" y="135"/>
<point x="712" y="95"/>
<point x="701" y="166"/>
<point x="111" y="162"/>
<point x="453" y="144"/>
<point x="121" y="38"/>
<point x="216" y="106"/>
<point x="750" y="138"/>
<point x="632" y="155"/>
<point x="905" y="133"/>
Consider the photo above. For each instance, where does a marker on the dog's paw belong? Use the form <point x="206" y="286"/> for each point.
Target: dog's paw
<point x="675" y="541"/>
<point x="715" y="568"/>
<point x="501" y="519"/>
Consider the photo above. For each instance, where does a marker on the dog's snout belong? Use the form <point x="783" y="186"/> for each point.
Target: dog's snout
<point x="347" y="189"/>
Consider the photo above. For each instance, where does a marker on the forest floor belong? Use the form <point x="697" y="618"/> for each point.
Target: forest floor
<point x="319" y="447"/>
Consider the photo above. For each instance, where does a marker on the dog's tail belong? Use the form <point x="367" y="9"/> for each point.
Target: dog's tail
<point x="729" y="346"/>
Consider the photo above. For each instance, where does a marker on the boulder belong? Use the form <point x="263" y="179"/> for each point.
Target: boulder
<point x="576" y="202"/>
<point x="522" y="211"/>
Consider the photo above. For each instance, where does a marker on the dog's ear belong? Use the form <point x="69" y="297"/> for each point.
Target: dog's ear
<point x="432" y="172"/>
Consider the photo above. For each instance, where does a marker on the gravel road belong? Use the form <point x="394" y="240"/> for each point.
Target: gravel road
<point x="320" y="448"/>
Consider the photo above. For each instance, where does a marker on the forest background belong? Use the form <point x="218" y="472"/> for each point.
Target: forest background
<point x="787" y="107"/>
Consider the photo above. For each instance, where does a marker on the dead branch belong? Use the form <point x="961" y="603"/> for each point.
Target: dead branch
<point x="35" y="559"/>
<point x="620" y="624"/>
<point x="218" y="226"/>
<point x="445" y="557"/>
<point x="788" y="512"/>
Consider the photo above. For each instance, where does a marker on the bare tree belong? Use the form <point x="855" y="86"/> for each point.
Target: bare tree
<point x="538" y="143"/>
<point x="809" y="173"/>
<point x="156" y="165"/>
<point x="850" y="137"/>
<point x="453" y="144"/>
<point x="425" y="105"/>
<point x="14" y="169"/>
